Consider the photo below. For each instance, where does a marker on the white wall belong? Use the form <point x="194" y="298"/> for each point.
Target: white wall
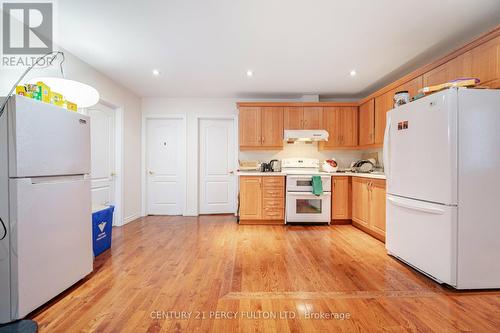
<point x="113" y="93"/>
<point x="192" y="108"/>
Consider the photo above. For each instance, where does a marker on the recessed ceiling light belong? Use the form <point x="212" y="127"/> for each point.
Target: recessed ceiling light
<point x="352" y="73"/>
<point x="156" y="72"/>
<point x="249" y="73"/>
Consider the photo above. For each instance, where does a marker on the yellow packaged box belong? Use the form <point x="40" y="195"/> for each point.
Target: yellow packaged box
<point x="56" y="98"/>
<point x="32" y="91"/>
<point x="21" y="90"/>
<point x="71" y="106"/>
<point x="44" y="92"/>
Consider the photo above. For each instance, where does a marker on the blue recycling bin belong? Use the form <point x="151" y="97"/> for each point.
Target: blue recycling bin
<point x="102" y="221"/>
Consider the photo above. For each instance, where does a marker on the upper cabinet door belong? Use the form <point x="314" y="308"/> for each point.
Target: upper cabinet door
<point x="486" y="61"/>
<point x="312" y="118"/>
<point x="331" y="122"/>
<point x="438" y="75"/>
<point x="293" y="117"/>
<point x="348" y="126"/>
<point x="367" y="123"/>
<point x="250" y="127"/>
<point x="412" y="87"/>
<point x="272" y="127"/>
<point x="383" y="103"/>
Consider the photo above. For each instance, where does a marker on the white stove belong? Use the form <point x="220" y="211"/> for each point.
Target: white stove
<point x="302" y="206"/>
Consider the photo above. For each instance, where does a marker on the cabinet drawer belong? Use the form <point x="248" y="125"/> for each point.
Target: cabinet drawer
<point x="273" y="203"/>
<point x="273" y="213"/>
<point x="270" y="181"/>
<point x="273" y="192"/>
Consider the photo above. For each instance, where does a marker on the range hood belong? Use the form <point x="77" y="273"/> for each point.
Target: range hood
<point x="305" y="135"/>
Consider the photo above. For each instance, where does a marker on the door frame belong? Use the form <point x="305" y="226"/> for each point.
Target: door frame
<point x="144" y="191"/>
<point x="234" y="118"/>
<point x="119" y="218"/>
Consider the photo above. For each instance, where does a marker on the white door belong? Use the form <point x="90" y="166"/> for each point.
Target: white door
<point x="165" y="166"/>
<point x="102" y="138"/>
<point x="420" y="149"/>
<point x="217" y="166"/>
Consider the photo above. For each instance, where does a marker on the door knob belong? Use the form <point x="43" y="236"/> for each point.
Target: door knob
<point x="151" y="172"/>
<point x="231" y="172"/>
<point x="113" y="174"/>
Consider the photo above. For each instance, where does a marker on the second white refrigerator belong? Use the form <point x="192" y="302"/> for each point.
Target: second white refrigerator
<point x="45" y="204"/>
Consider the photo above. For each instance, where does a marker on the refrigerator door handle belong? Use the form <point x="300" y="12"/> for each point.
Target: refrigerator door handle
<point x="56" y="179"/>
<point x="423" y="207"/>
<point x="386" y="147"/>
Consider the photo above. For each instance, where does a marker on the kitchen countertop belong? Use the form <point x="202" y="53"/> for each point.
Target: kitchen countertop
<point x="361" y="175"/>
<point x="259" y="173"/>
<point x="333" y="174"/>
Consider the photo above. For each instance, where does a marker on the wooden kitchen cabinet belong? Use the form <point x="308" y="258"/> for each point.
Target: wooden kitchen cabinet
<point x="342" y="126"/>
<point x="368" y="205"/>
<point x="385" y="102"/>
<point x="360" y="201"/>
<point x="412" y="86"/>
<point x="301" y="118"/>
<point x="261" y="128"/>
<point x="250" y="198"/>
<point x="250" y="127"/>
<point x="293" y="117"/>
<point x="367" y="123"/>
<point x="349" y="127"/>
<point x="485" y="63"/>
<point x="272" y="127"/>
<point x="262" y="200"/>
<point x="377" y="195"/>
<point x="313" y="118"/>
<point x="341" y="198"/>
<point x="482" y="62"/>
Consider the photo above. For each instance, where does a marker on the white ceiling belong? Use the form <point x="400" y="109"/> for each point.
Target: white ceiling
<point x="204" y="48"/>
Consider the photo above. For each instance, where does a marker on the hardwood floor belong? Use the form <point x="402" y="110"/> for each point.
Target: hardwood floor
<point x="159" y="267"/>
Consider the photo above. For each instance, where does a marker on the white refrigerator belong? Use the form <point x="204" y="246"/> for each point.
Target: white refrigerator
<point x="45" y="206"/>
<point x="442" y="161"/>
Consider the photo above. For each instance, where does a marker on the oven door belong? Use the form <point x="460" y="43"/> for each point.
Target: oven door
<point x="307" y="207"/>
<point x="298" y="183"/>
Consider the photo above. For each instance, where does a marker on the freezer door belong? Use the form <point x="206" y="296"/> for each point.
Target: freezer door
<point x="51" y="239"/>
<point x="46" y="140"/>
<point x="423" y="235"/>
<point x="420" y="149"/>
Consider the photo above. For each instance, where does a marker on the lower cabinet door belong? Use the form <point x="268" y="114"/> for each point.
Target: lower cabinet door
<point x="360" y="201"/>
<point x="377" y="207"/>
<point x="250" y="198"/>
<point x="340" y="198"/>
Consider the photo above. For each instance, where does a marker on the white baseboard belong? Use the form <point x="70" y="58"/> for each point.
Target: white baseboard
<point x="190" y="214"/>
<point x="131" y="218"/>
